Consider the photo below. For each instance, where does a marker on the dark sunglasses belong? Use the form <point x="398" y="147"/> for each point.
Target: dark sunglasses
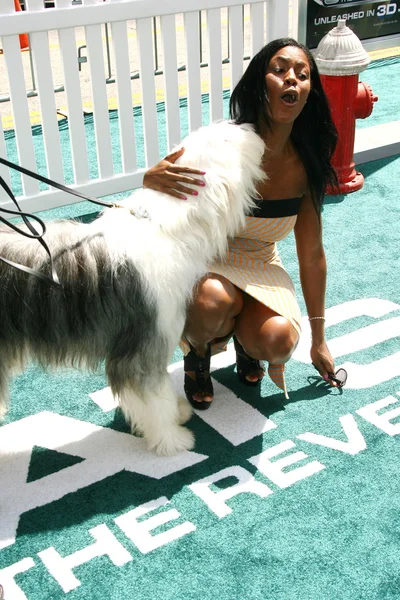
<point x="340" y="377"/>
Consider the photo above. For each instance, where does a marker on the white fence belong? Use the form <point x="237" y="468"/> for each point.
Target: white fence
<point x="188" y="30"/>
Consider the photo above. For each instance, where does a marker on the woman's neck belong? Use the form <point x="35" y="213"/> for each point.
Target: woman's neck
<point x="276" y="137"/>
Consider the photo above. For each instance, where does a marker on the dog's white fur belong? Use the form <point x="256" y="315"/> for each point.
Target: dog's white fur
<point x="152" y="262"/>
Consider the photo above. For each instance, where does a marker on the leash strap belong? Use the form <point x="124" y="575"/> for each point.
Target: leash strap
<point x="53" y="280"/>
<point x="59" y="186"/>
<point x="34" y="234"/>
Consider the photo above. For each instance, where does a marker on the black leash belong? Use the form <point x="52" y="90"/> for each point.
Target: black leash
<point x="34" y="234"/>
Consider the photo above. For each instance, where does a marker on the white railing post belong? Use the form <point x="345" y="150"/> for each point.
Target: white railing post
<point x="146" y="61"/>
<point x="277" y="19"/>
<point x="76" y="124"/>
<point x="94" y="42"/>
<point x="192" y="42"/>
<point x="168" y="35"/>
<point x="236" y="44"/>
<point x="39" y="43"/>
<point x="124" y="95"/>
<point x="215" y="65"/>
<point x="257" y="21"/>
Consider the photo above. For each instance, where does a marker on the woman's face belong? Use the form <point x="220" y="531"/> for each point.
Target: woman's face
<point x="288" y="84"/>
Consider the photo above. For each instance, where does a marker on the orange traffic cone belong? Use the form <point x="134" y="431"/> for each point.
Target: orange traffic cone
<point x="23" y="38"/>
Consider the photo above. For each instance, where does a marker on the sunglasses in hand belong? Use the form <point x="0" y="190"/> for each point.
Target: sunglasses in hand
<point x="340" y="377"/>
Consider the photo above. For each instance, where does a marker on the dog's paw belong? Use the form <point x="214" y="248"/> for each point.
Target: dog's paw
<point x="175" y="440"/>
<point x="185" y="410"/>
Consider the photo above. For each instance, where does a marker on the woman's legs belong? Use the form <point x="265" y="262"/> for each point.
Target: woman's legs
<point x="211" y="315"/>
<point x="219" y="308"/>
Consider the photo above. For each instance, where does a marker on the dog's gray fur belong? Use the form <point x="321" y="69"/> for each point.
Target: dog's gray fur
<point x="126" y="283"/>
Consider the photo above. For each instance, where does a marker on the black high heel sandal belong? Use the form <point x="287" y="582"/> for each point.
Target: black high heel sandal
<point x="202" y="383"/>
<point x="245" y="364"/>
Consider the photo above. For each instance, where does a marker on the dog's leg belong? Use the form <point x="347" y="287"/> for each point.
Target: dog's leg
<point x="185" y="410"/>
<point x="143" y="386"/>
<point x="154" y="412"/>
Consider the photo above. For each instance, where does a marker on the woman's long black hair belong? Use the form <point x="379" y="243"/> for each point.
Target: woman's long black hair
<point x="314" y="134"/>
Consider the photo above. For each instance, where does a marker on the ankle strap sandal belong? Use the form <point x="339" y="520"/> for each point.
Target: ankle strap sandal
<point x="202" y="384"/>
<point x="246" y="365"/>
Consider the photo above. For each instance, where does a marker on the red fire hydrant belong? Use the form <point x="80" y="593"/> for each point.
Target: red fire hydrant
<point x="341" y="57"/>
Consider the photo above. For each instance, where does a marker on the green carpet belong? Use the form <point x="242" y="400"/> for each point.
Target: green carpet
<point x="280" y="500"/>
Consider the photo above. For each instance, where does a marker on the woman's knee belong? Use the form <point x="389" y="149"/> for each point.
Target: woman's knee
<point x="216" y="303"/>
<point x="220" y="296"/>
<point x="276" y="341"/>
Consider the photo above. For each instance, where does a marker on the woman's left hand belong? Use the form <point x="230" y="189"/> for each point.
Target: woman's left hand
<point x="322" y="360"/>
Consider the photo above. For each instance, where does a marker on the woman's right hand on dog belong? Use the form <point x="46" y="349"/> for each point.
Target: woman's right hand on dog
<point x="170" y="178"/>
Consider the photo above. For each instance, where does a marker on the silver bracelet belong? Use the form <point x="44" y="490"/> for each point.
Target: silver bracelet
<point x="315" y="318"/>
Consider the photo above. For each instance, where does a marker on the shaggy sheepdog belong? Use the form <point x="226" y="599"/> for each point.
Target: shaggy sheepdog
<point x="126" y="280"/>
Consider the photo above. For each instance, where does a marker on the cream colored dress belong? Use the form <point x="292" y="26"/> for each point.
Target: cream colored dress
<point x="253" y="265"/>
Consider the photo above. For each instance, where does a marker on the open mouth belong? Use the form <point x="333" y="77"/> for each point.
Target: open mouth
<point x="290" y="98"/>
